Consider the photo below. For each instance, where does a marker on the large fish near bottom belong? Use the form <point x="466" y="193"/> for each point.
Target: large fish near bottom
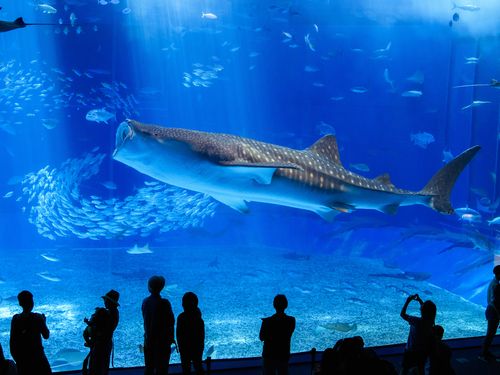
<point x="235" y="170"/>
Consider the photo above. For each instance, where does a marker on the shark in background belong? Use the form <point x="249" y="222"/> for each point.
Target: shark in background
<point x="235" y="170"/>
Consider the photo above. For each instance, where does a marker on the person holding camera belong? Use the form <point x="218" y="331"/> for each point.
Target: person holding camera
<point x="98" y="335"/>
<point x="421" y="337"/>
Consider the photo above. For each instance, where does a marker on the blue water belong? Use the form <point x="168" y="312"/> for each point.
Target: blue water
<point x="380" y="77"/>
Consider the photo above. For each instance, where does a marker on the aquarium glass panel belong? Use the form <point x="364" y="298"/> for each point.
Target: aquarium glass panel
<point x="344" y="154"/>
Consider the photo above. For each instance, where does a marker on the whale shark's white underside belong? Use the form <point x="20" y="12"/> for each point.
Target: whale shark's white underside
<point x="236" y="170"/>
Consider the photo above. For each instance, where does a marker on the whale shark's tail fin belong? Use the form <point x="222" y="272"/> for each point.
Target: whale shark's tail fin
<point x="440" y="185"/>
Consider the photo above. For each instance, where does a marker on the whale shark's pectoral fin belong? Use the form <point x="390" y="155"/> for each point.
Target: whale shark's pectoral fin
<point x="235" y="203"/>
<point x="390" y="209"/>
<point x="262" y="173"/>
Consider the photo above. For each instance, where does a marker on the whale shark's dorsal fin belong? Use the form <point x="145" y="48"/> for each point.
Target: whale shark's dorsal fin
<point x="327" y="148"/>
<point x="384" y="179"/>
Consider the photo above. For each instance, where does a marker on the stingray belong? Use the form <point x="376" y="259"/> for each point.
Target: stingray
<point x="19" y="23"/>
<point x="340" y="327"/>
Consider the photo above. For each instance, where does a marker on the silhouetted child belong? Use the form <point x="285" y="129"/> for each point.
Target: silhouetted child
<point x="276" y="333"/>
<point x="492" y="315"/>
<point x="7" y="367"/>
<point x="421" y="336"/>
<point x="440" y="357"/>
<point x="159" y="323"/>
<point x="98" y="334"/>
<point x="190" y="334"/>
<point x="26" y="332"/>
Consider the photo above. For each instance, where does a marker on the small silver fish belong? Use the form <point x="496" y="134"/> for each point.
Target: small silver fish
<point x="209" y="16"/>
<point x="476" y="103"/>
<point x="359" y="89"/>
<point x="49" y="258"/>
<point x="100" y="115"/>
<point x="49" y="277"/>
<point x="422" y="139"/>
<point x="412" y="94"/>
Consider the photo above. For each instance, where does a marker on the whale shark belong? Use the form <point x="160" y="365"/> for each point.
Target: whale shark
<point x="236" y="170"/>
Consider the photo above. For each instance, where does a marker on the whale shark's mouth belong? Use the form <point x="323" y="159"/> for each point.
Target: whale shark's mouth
<point x="124" y="133"/>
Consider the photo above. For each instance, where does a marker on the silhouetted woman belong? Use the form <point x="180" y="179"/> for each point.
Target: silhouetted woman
<point x="421" y="336"/>
<point x="190" y="334"/>
<point x="26" y="332"/>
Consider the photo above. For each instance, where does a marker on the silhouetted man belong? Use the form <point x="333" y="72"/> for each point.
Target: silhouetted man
<point x="26" y="332"/>
<point x="492" y="314"/>
<point x="159" y="323"/>
<point x="276" y="333"/>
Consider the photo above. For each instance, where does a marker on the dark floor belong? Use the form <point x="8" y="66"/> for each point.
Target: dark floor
<point x="465" y="361"/>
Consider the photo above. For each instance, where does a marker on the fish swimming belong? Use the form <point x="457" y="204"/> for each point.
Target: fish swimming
<point x="235" y="170"/>
<point x="412" y="94"/>
<point x="476" y="103"/>
<point x="100" y="115"/>
<point x="494" y="83"/>
<point x="468" y="7"/>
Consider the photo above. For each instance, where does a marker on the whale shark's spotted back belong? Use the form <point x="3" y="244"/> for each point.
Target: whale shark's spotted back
<point x="318" y="166"/>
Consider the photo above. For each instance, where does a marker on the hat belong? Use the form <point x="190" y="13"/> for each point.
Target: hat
<point x="112" y="296"/>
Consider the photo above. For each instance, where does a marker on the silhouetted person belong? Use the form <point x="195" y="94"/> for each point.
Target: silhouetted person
<point x="330" y="362"/>
<point x="7" y="366"/>
<point x="492" y="314"/>
<point x="440" y="356"/>
<point x="421" y="336"/>
<point x="276" y="333"/>
<point x="190" y="334"/>
<point x="159" y="323"/>
<point x="26" y="332"/>
<point x="99" y="334"/>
